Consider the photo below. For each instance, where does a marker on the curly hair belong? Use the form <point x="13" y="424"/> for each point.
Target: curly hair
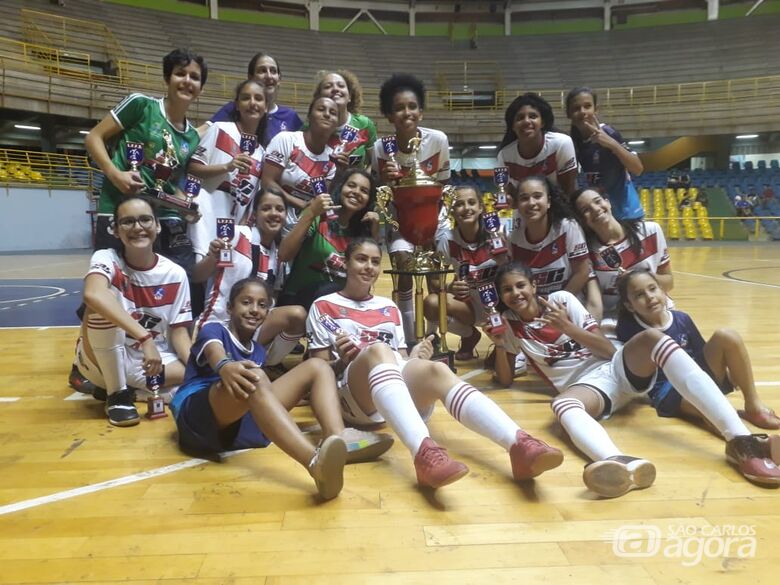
<point x="353" y="87"/>
<point x="399" y="82"/>
<point x="533" y="100"/>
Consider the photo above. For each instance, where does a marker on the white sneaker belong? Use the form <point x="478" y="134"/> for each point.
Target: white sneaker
<point x="521" y="365"/>
<point x="365" y="446"/>
<point x="327" y="467"/>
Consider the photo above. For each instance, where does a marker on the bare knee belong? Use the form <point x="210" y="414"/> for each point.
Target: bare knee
<point x="378" y="353"/>
<point x="296" y="319"/>
<point x="729" y="338"/>
<point x="431" y="306"/>
<point x="646" y="340"/>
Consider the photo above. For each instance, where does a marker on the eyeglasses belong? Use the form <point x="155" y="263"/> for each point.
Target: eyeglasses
<point x="127" y="223"/>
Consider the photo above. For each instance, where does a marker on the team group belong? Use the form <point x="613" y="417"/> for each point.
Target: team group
<point x="273" y="235"/>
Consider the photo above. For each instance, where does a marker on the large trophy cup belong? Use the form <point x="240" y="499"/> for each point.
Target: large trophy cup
<point x="417" y="199"/>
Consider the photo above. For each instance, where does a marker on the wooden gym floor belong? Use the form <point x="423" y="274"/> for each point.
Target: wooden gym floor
<point x="81" y="501"/>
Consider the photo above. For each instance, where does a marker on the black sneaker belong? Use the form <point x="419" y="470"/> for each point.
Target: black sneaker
<point x="298" y="349"/>
<point x="120" y="409"/>
<point x="80" y="384"/>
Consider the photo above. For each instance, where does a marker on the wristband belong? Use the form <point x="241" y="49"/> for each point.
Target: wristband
<point x="221" y="364"/>
<point x="144" y="339"/>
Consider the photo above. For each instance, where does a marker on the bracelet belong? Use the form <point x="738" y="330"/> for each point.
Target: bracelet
<point x="221" y="364"/>
<point x="144" y="339"/>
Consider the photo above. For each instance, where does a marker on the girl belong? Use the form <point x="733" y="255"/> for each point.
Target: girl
<point x="643" y="305"/>
<point x="343" y="87"/>
<point x="317" y="244"/>
<point x="293" y="159"/>
<point x="161" y="125"/>
<point x="605" y="157"/>
<point x="531" y="146"/>
<point x="227" y="402"/>
<point x="617" y="245"/>
<point x="254" y="254"/>
<point x="364" y="335"/>
<point x="565" y="346"/>
<point x="231" y="177"/>
<point x="138" y="310"/>
<point x="402" y="100"/>
<point x="467" y="248"/>
<point x="264" y="70"/>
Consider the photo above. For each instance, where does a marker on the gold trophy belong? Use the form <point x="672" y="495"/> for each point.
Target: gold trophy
<point x="163" y="169"/>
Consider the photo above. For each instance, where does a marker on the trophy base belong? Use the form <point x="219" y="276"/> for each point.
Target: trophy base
<point x="224" y="265"/>
<point x="186" y="208"/>
<point x="155" y="408"/>
<point x="445" y="357"/>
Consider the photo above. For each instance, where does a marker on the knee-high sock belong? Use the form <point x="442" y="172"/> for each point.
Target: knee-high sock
<point x="282" y="345"/>
<point x="479" y="413"/>
<point x="585" y="431"/>
<point x="459" y="328"/>
<point x="406" y="306"/>
<point x="392" y="400"/>
<point x="697" y="387"/>
<point x="108" y="344"/>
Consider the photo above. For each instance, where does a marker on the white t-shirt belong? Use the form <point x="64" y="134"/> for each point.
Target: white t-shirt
<point x="158" y="298"/>
<point x="434" y="155"/>
<point x="556" y="157"/>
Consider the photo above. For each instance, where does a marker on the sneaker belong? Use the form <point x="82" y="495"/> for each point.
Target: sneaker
<point x="617" y="475"/>
<point x="365" y="446"/>
<point x="751" y="455"/>
<point x="467" y="345"/>
<point x="434" y="467"/>
<point x="298" y="349"/>
<point x="531" y="457"/>
<point x="120" y="409"/>
<point x="521" y="365"/>
<point x="327" y="467"/>
<point x="81" y="384"/>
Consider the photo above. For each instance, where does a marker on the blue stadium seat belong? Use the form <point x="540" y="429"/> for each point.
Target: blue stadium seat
<point x="762" y="165"/>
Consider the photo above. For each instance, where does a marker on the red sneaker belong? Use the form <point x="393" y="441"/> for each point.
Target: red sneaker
<point x="750" y="454"/>
<point x="531" y="457"/>
<point x="434" y="467"/>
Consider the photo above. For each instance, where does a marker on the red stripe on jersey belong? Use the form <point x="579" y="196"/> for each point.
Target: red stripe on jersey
<point x="158" y="295"/>
<point x="313" y="168"/>
<point x="649" y="247"/>
<point x="212" y="300"/>
<point x="366" y="318"/>
<point x="340" y="243"/>
<point x="548" y="334"/>
<point x="466" y="256"/>
<point x="226" y="144"/>
<point x="544" y="257"/>
<point x="244" y="246"/>
<point x="544" y="167"/>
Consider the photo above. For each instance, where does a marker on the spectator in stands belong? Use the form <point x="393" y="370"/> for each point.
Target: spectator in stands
<point x="685" y="181"/>
<point x="752" y="196"/>
<point x="767" y="194"/>
<point x="531" y="145"/>
<point x="673" y="180"/>
<point x="264" y="69"/>
<point x="742" y="206"/>
<point x="161" y="125"/>
<point x="137" y="313"/>
<point x="605" y="157"/>
<point x="343" y="87"/>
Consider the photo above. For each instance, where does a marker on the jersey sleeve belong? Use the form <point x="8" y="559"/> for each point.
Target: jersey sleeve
<point x="279" y="150"/>
<point x="576" y="247"/>
<point x="626" y="328"/>
<point x="181" y="310"/>
<point x="130" y="111"/>
<point x="663" y="249"/>
<point x="102" y="262"/>
<point x="206" y="145"/>
<point x="565" y="158"/>
<point x="578" y="314"/>
<point x="319" y="336"/>
<point x="695" y="339"/>
<point x="209" y="333"/>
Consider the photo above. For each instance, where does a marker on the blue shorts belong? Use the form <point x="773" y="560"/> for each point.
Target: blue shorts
<point x="198" y="431"/>
<point x="666" y="400"/>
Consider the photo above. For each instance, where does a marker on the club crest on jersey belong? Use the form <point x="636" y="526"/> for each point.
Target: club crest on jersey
<point x="683" y="341"/>
<point x="385" y="311"/>
<point x="554" y="248"/>
<point x="158" y="293"/>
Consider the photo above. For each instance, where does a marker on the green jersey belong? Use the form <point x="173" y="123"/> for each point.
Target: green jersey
<point x="358" y="149"/>
<point x="143" y="120"/>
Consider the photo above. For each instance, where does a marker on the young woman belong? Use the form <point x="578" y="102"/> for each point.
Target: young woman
<point x="254" y="254"/>
<point x="467" y="249"/>
<point x="564" y="344"/>
<point x="316" y="244"/>
<point x="402" y="101"/>
<point x="230" y="177"/>
<point x="605" y="157"/>
<point x="293" y="159"/>
<point x="161" y="125"/>
<point x="343" y="87"/>
<point x="361" y="336"/>
<point x="264" y="69"/>
<point x="643" y="305"/>
<point x="616" y="246"/>
<point x="531" y="146"/>
<point x="138" y="310"/>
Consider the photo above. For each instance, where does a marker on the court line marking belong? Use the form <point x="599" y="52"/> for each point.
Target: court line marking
<point x="79" y="396"/>
<point x="472" y="373"/>
<point x="9" y="398"/>
<point x="39" y="327"/>
<point x="723" y="279"/>
<point x="58" y="291"/>
<point x="109" y="484"/>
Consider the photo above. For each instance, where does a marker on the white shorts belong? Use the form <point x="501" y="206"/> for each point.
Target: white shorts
<point x="134" y="372"/>
<point x="610" y="380"/>
<point x="353" y="414"/>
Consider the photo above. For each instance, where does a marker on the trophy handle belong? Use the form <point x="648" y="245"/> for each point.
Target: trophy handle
<point x="384" y="195"/>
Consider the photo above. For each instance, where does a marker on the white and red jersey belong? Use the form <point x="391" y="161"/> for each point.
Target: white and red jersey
<point x="555" y="158"/>
<point x="219" y="285"/>
<point x="224" y="195"/>
<point x="653" y="255"/>
<point x="482" y="265"/>
<point x="433" y="156"/>
<point x="555" y="356"/>
<point x="158" y="298"/>
<point x="550" y="260"/>
<point x="299" y="165"/>
<point x="372" y="320"/>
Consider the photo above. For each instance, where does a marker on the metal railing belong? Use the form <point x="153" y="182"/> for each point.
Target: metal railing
<point x="47" y="170"/>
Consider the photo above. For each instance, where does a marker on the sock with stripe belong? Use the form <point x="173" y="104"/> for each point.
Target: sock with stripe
<point x="108" y="344"/>
<point x="391" y="398"/>
<point x="280" y="347"/>
<point x="697" y="387"/>
<point x="477" y="412"/>
<point x="406" y="306"/>
<point x="584" y="431"/>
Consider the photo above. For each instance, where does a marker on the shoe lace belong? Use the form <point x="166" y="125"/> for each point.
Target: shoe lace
<point x="749" y="446"/>
<point x="434" y="456"/>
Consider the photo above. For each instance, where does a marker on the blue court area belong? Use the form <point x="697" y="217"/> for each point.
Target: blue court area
<point x="40" y="302"/>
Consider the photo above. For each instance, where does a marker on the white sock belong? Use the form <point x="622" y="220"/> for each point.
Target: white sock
<point x="697" y="387"/>
<point x="585" y="431"/>
<point x="459" y="328"/>
<point x="281" y="345"/>
<point x="392" y="400"/>
<point x="477" y="412"/>
<point x="406" y="306"/>
<point x="108" y="344"/>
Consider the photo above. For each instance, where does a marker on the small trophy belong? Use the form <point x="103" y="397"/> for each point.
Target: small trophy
<point x="135" y="155"/>
<point x="347" y="135"/>
<point x="162" y="173"/>
<point x="390" y="146"/>
<point x="464" y="270"/>
<point x="247" y="145"/>
<point x="501" y="178"/>
<point x="318" y="187"/>
<point x="489" y="298"/>
<point x="155" y="407"/>
<point x="226" y="230"/>
<point x="492" y="225"/>
<point x="330" y="324"/>
<point x="611" y="257"/>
